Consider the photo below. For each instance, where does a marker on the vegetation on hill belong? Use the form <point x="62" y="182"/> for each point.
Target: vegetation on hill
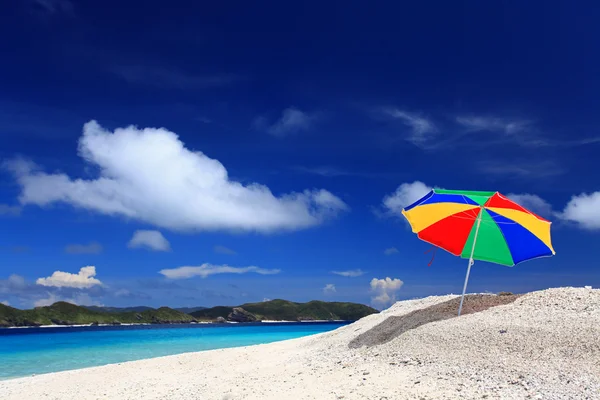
<point x="62" y="313"/>
<point x="119" y="309"/>
<point x="289" y="311"/>
<point x="189" y="310"/>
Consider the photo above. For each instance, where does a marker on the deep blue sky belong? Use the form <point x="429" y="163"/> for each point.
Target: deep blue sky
<point x="351" y="98"/>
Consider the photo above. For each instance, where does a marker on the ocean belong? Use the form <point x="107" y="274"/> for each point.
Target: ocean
<point x="27" y="351"/>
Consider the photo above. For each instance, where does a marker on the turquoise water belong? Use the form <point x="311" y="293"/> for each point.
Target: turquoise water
<point x="30" y="351"/>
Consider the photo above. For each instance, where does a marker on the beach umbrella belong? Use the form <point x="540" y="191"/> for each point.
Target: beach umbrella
<point x="484" y="226"/>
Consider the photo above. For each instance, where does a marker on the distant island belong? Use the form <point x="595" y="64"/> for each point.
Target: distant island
<point x="63" y="313"/>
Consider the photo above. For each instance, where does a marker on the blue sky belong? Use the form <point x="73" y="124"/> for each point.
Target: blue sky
<point x="206" y="154"/>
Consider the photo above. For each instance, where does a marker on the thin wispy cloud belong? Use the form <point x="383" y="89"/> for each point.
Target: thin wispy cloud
<point x="171" y="78"/>
<point x="335" y="172"/>
<point x="11" y="211"/>
<point x="520" y="169"/>
<point x="422" y="129"/>
<point x="509" y="127"/>
<point x="390" y="251"/>
<point x="53" y="7"/>
<point x="292" y="120"/>
<point x="353" y="273"/>
<point x="224" y="250"/>
<point x="521" y="132"/>
<point x="326" y="171"/>
<point x="90" y="248"/>
<point x="206" y="270"/>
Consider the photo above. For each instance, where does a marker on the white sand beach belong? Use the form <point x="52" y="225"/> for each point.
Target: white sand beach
<point x="544" y="345"/>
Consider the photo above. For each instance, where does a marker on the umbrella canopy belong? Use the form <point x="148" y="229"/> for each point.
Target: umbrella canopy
<point x="507" y="232"/>
<point x="483" y="226"/>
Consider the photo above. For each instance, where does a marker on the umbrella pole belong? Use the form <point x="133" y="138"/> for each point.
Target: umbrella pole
<point x="471" y="261"/>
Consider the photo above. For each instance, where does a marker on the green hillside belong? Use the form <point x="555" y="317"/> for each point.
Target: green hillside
<point x="289" y="311"/>
<point x="62" y="313"/>
<point x="119" y="309"/>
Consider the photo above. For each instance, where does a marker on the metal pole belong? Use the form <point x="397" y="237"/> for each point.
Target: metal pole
<point x="471" y="261"/>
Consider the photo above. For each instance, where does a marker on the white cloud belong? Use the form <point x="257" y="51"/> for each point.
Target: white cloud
<point x="353" y="273"/>
<point x="148" y="175"/>
<point x="584" y="210"/>
<point x="385" y="291"/>
<point x="533" y="203"/>
<point x="224" y="250"/>
<point x="405" y="195"/>
<point x="83" y="279"/>
<point x="329" y="288"/>
<point x="205" y="270"/>
<point x="153" y="240"/>
<point x="266" y="299"/>
<point x="91" y="248"/>
<point x="422" y="129"/>
<point x="6" y="303"/>
<point x="292" y="120"/>
<point x="390" y="251"/>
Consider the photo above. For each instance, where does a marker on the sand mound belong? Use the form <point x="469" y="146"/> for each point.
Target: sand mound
<point x="395" y="326"/>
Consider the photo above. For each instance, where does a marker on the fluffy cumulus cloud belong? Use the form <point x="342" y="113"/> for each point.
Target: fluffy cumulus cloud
<point x="83" y="279"/>
<point x="353" y="273"/>
<point x="584" y="210"/>
<point x="329" y="288"/>
<point x="405" y="195"/>
<point x="149" y="175"/>
<point x="206" y="270"/>
<point x="6" y="303"/>
<point x="390" y="251"/>
<point x="90" y="248"/>
<point x="152" y="240"/>
<point x="384" y="291"/>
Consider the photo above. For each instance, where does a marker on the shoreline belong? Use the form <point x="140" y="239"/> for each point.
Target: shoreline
<point x="179" y="324"/>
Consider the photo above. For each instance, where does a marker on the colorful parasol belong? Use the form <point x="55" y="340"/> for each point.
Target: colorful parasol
<point x="484" y="226"/>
